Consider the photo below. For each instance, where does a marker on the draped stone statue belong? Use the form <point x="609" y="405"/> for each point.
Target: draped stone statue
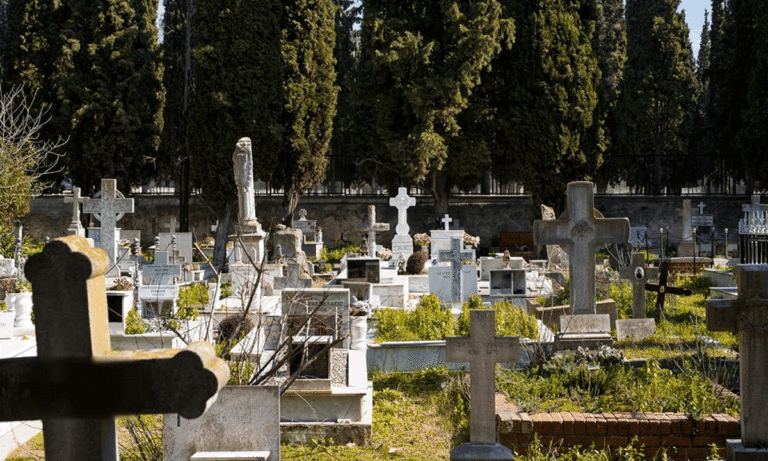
<point x="243" y="161"/>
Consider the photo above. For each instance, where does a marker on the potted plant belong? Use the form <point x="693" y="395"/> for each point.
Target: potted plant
<point x="358" y="324"/>
<point x="470" y="241"/>
<point x="422" y="240"/>
<point x="20" y="301"/>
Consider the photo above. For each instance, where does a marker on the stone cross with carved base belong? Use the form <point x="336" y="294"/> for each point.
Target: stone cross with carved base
<point x="748" y="316"/>
<point x="75" y="228"/>
<point x="482" y="349"/>
<point x="456" y="256"/>
<point x="579" y="232"/>
<point x="109" y="208"/>
<point x="638" y="274"/>
<point x="77" y="384"/>
<point x="371" y="227"/>
<point x="402" y="202"/>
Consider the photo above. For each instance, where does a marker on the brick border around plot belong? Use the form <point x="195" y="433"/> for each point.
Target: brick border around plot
<point x="681" y="437"/>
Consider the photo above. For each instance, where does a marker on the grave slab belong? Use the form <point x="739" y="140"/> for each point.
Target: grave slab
<point x="637" y="329"/>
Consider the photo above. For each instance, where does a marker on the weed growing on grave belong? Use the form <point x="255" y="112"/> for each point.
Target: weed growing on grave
<point x="428" y="322"/>
<point x="553" y="452"/>
<point x="510" y="321"/>
<point x="334" y="255"/>
<point x="621" y="292"/>
<point x="191" y="298"/>
<point x="135" y="325"/>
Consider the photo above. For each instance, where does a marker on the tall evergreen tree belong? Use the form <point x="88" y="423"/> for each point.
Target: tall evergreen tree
<point x="697" y="147"/>
<point x="658" y="95"/>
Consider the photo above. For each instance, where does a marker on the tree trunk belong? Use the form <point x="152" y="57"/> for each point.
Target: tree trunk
<point x="440" y="192"/>
<point x="184" y="181"/>
<point x="290" y="202"/>
<point x="220" y="247"/>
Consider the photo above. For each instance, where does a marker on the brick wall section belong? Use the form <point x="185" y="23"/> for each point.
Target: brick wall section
<point x="681" y="437"/>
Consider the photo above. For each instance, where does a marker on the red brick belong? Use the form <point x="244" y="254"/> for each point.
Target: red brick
<point x="591" y="424"/>
<point x="650" y="441"/>
<point x="611" y="426"/>
<point x="692" y="454"/>
<point x="634" y="424"/>
<point x="699" y="425"/>
<point x="568" y="422"/>
<point x="557" y="424"/>
<point x="616" y="441"/>
<point x="540" y="422"/>
<point x="665" y="425"/>
<point x="656" y="452"/>
<point x="677" y="441"/>
<point x="582" y="440"/>
<point x="526" y="424"/>
<point x="686" y="427"/>
<point x="707" y="440"/>
<point x="622" y="423"/>
<point x="507" y="439"/>
<point x="727" y="426"/>
<point x="710" y="425"/>
<point x="579" y="423"/>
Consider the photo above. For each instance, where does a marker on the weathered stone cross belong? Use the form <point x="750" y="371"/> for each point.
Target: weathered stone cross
<point x="456" y="256"/>
<point x="76" y="384"/>
<point x="447" y="220"/>
<point x="402" y="201"/>
<point x="638" y="274"/>
<point x="108" y="209"/>
<point x="662" y="289"/>
<point x="75" y="228"/>
<point x="482" y="349"/>
<point x="579" y="232"/>
<point x="748" y="316"/>
<point x="701" y="207"/>
<point x="371" y="227"/>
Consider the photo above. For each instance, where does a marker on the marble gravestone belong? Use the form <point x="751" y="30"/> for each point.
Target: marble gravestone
<point x="402" y="242"/>
<point x="76" y="384"/>
<point x="108" y="206"/>
<point x="75" y="228"/>
<point x="441" y="239"/>
<point x="482" y="349"/>
<point x="370" y="227"/>
<point x="179" y="252"/>
<point x="456" y="257"/>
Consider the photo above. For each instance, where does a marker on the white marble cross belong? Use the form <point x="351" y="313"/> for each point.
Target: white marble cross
<point x="579" y="232"/>
<point x="638" y="275"/>
<point x="402" y="202"/>
<point x="482" y="349"/>
<point x="371" y="227"/>
<point x="108" y="208"/>
<point x="456" y="256"/>
<point x="701" y="207"/>
<point x="447" y="220"/>
<point x="75" y="228"/>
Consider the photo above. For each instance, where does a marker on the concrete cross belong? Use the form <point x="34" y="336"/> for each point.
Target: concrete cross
<point x="160" y="272"/>
<point x="402" y="202"/>
<point x="579" y="232"/>
<point x="638" y="274"/>
<point x="76" y="384"/>
<point x="447" y="220"/>
<point x="302" y="214"/>
<point x="456" y="256"/>
<point x="75" y="228"/>
<point x="662" y="289"/>
<point x="173" y="226"/>
<point x="482" y="349"/>
<point x="109" y="208"/>
<point x="748" y="316"/>
<point x="701" y="207"/>
<point x="371" y="227"/>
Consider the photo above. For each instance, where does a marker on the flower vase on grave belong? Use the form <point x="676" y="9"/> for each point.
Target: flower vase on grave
<point x="23" y="308"/>
<point x="358" y="330"/>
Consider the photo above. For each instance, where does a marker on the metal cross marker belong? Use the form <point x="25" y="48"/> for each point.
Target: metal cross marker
<point x="447" y="220"/>
<point x="76" y="384"/>
<point x="371" y="227"/>
<point x="456" y="256"/>
<point x="662" y="289"/>
<point x="402" y="202"/>
<point x="109" y="208"/>
<point x="638" y="274"/>
<point x="579" y="232"/>
<point x="482" y="349"/>
<point x="75" y="228"/>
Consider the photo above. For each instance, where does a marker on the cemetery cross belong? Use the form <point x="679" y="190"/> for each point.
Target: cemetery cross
<point x="160" y="272"/>
<point x="662" y="289"/>
<point x="402" y="202"/>
<point x="109" y="208"/>
<point x="447" y="220"/>
<point x="748" y="316"/>
<point x="456" y="256"/>
<point x="371" y="227"/>
<point x="579" y="232"/>
<point x="638" y="274"/>
<point x="75" y="228"/>
<point x="701" y="207"/>
<point x="76" y="384"/>
<point x="482" y="349"/>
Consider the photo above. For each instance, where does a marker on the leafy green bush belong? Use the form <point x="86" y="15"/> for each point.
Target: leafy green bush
<point x="428" y="322"/>
<point x="135" y="325"/>
<point x="334" y="255"/>
<point x="510" y="321"/>
<point x="191" y="298"/>
<point x="621" y="292"/>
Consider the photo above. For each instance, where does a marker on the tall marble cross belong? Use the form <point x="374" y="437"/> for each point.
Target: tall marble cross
<point x="109" y="208"/>
<point x="75" y="228"/>
<point x="402" y="202"/>
<point x="456" y="256"/>
<point x="482" y="349"/>
<point x="447" y="220"/>
<point x="579" y="232"/>
<point x="371" y="227"/>
<point x="76" y="384"/>
<point x="748" y="316"/>
<point x="638" y="275"/>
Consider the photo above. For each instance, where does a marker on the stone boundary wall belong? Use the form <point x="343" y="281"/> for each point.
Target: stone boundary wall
<point x="677" y="434"/>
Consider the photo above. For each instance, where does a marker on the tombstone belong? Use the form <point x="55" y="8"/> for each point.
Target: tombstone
<point x="75" y="228"/>
<point x="589" y="331"/>
<point x="402" y="243"/>
<point x="108" y="206"/>
<point x="579" y="230"/>
<point x="638" y="275"/>
<point x="447" y="221"/>
<point x="160" y="272"/>
<point x="181" y="251"/>
<point x="508" y="282"/>
<point x="456" y="256"/>
<point x="637" y="329"/>
<point x="6" y="324"/>
<point x="748" y="316"/>
<point x="557" y="258"/>
<point x="482" y="349"/>
<point x="638" y="236"/>
<point x="7" y="267"/>
<point x="364" y="269"/>
<point x="440" y="282"/>
<point x="296" y="276"/>
<point x="685" y="247"/>
<point x="289" y="241"/>
<point x="76" y="384"/>
<point x="371" y="227"/>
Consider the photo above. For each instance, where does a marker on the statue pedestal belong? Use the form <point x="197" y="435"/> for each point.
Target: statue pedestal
<point x="249" y="240"/>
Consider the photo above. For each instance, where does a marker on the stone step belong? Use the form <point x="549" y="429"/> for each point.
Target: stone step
<point x="230" y="456"/>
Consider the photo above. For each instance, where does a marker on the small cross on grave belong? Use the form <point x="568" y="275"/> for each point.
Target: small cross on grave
<point x="402" y="202"/>
<point x="447" y="220"/>
<point x="579" y="232"/>
<point x="302" y="214"/>
<point x="75" y="228"/>
<point x="76" y="384"/>
<point x="108" y="206"/>
<point x="482" y="349"/>
<point x="173" y="226"/>
<point x="638" y="274"/>
<point x="456" y="256"/>
<point x="701" y="207"/>
<point x="662" y="289"/>
<point x="160" y="272"/>
<point x="371" y="227"/>
<point x="748" y="316"/>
